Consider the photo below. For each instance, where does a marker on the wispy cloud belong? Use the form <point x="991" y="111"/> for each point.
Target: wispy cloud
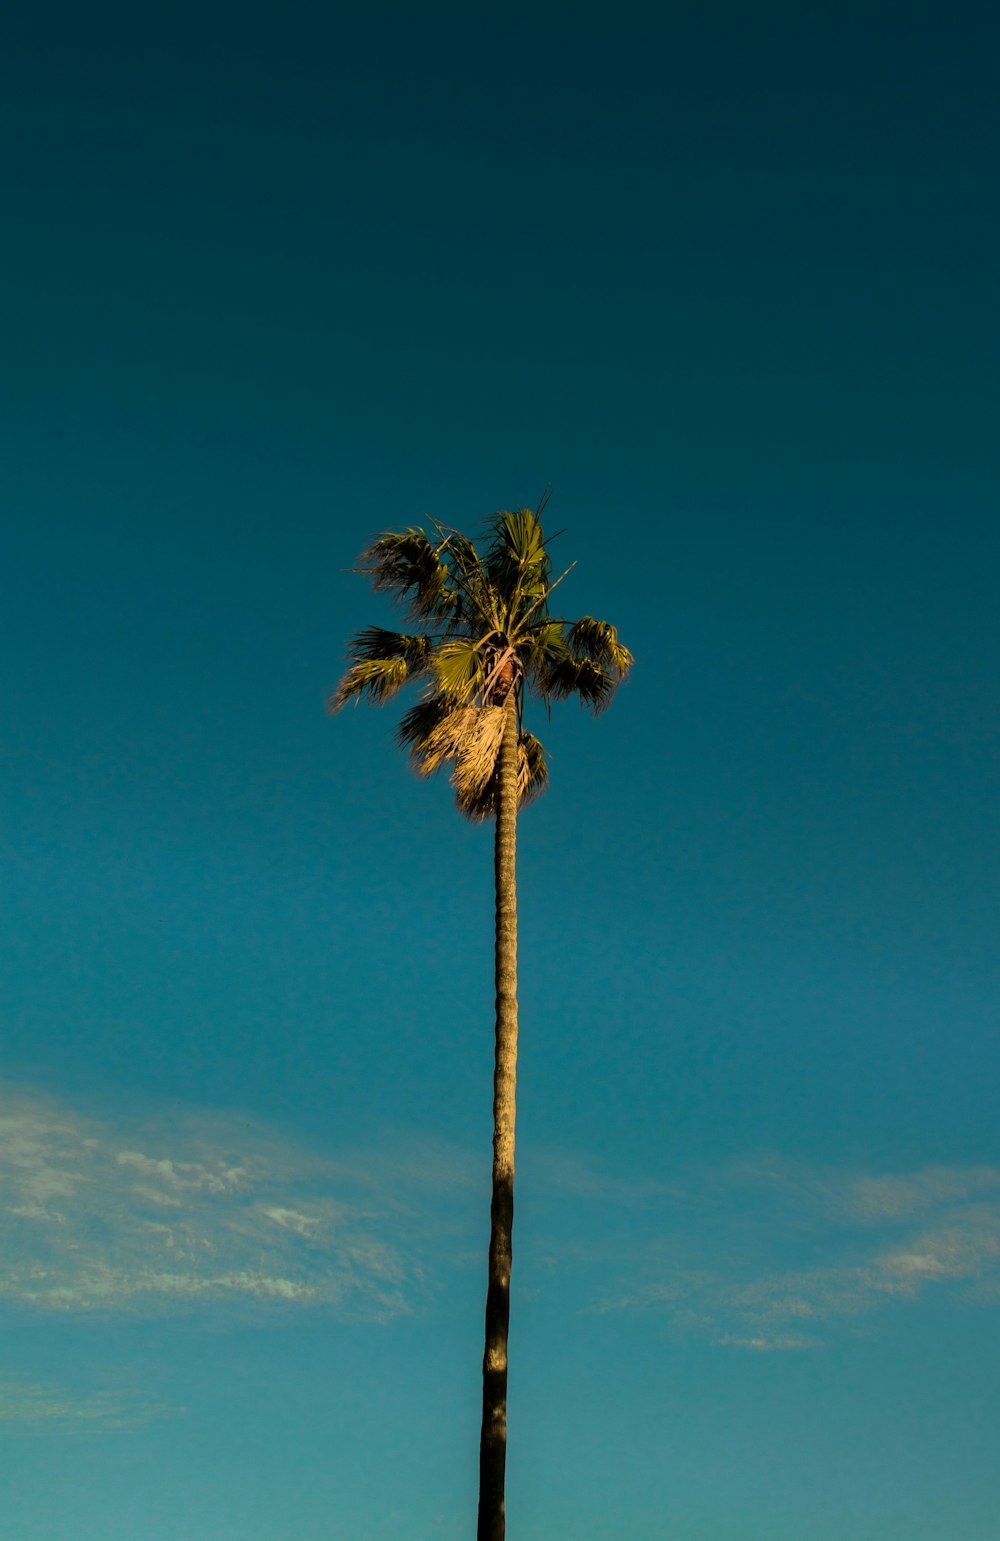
<point x="42" y="1408"/>
<point x="106" y="1214"/>
<point x="797" y="1253"/>
<point x="860" y="1198"/>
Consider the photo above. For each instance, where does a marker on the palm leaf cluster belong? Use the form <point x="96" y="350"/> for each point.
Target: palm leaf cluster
<point x="483" y="642"/>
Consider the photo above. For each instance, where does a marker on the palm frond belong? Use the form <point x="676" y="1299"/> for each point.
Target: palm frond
<point x="568" y="676"/>
<point x="476" y="597"/>
<point x="458" y="667"/>
<point x="405" y="563"/>
<point x="543" y="646"/>
<point x="439" y="735"/>
<point x="417" y="725"/>
<point x="374" y="642"/>
<point x="476" y="757"/>
<point x="517" y="561"/>
<point x="532" y="769"/>
<point x="476" y="798"/>
<point x="439" y="731"/>
<point x="381" y="664"/>
<point x="477" y="806"/>
<point x="598" y="641"/>
<point x="376" y="678"/>
<point x="583" y="658"/>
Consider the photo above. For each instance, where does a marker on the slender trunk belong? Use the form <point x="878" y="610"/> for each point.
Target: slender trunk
<point x="493" y="1441"/>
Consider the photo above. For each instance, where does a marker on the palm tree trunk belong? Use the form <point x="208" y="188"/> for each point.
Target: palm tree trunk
<point x="493" y="1441"/>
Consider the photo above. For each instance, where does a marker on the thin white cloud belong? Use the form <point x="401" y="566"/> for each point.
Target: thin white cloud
<point x="855" y="1198"/>
<point x="195" y="1209"/>
<point x="966" y="1248"/>
<point x="42" y="1408"/>
<point x="768" y="1345"/>
<point x="871" y="1240"/>
<point x="898" y="1196"/>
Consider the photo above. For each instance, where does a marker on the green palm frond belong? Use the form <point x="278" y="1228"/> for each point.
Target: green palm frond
<point x="543" y="647"/>
<point x="376" y="678"/>
<point x="477" y="600"/>
<point x="406" y="564"/>
<point x="517" y="561"/>
<point x="567" y="676"/>
<point x="381" y="664"/>
<point x="598" y="641"/>
<point x="583" y="658"/>
<point x="458" y="667"/>
<point x="545" y="636"/>
<point x="374" y="642"/>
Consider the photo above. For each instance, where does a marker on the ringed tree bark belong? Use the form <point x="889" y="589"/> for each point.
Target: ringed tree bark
<point x="493" y="1438"/>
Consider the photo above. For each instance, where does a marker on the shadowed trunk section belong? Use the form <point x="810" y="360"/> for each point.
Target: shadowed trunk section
<point x="493" y="1441"/>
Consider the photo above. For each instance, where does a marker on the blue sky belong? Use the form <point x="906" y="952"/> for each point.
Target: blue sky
<point x="725" y="277"/>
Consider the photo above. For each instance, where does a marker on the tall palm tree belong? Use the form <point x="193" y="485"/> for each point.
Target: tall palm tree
<point x="484" y="642"/>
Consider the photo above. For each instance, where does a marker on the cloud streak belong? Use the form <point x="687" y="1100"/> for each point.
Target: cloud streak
<point x="872" y="1242"/>
<point x="99" y="1215"/>
<point x="41" y="1408"/>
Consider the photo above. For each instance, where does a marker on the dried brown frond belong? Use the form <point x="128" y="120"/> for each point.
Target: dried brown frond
<point x="470" y="737"/>
<point x="477" y="800"/>
<point x="476" y="758"/>
<point x="532" y="769"/>
<point x="442" y="739"/>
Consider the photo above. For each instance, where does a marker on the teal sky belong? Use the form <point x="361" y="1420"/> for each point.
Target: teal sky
<point x="275" y="280"/>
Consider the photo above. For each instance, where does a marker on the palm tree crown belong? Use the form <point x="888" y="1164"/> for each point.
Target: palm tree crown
<point x="484" y="630"/>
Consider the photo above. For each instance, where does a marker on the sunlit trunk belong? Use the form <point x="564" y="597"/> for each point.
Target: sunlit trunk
<point x="493" y="1441"/>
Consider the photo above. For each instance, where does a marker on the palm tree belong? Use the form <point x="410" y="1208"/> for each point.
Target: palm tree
<point x="484" y="641"/>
